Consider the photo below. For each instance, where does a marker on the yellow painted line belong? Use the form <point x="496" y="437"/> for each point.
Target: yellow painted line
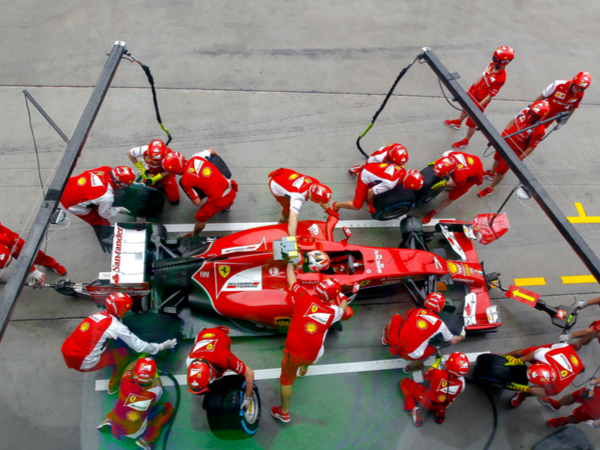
<point x="530" y="281"/>
<point x="576" y="279"/>
<point x="583" y="217"/>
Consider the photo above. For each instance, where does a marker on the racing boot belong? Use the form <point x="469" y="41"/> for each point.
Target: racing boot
<point x="517" y="399"/>
<point x="440" y="416"/>
<point x="279" y="414"/>
<point x="452" y="124"/>
<point x="489" y="175"/>
<point x="105" y="423"/>
<point x="461" y="144"/>
<point x="354" y="170"/>
<point x="429" y="216"/>
<point x="59" y="270"/>
<point x="384" y="339"/>
<point x="550" y="403"/>
<point x="485" y="192"/>
<point x="416" y="416"/>
<point x="557" y="422"/>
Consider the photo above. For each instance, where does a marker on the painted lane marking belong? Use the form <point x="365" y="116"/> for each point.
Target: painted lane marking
<point x="325" y="369"/>
<point x="529" y="282"/>
<point x="583" y="217"/>
<point x="576" y="279"/>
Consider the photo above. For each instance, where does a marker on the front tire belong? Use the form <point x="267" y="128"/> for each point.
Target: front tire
<point x="393" y="203"/>
<point x="491" y="370"/>
<point x="427" y="193"/>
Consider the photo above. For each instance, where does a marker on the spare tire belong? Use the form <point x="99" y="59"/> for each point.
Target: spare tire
<point x="454" y="323"/>
<point x="222" y="404"/>
<point x="427" y="192"/>
<point x="490" y="369"/>
<point x="393" y="203"/>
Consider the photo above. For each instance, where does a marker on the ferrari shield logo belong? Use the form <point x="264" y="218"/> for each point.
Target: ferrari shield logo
<point x="224" y="271"/>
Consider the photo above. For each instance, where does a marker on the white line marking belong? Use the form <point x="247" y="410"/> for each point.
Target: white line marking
<point x="239" y="226"/>
<point x="325" y="369"/>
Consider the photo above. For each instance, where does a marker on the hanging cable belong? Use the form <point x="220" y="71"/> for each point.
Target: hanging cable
<point x="447" y="99"/>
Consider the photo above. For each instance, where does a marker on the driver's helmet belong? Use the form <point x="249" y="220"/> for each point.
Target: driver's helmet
<point x="319" y="193"/>
<point x="118" y="304"/>
<point x="318" y="261"/>
<point x="199" y="376"/>
<point x="541" y="374"/>
<point x="328" y="289"/>
<point x="413" y="180"/>
<point x="435" y="302"/>
<point x="398" y="154"/>
<point x="457" y="364"/>
<point x="144" y="370"/>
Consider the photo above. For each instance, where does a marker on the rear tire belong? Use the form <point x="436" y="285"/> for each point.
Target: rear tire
<point x="426" y="193"/>
<point x="490" y="370"/>
<point x="393" y="203"/>
<point x="222" y="405"/>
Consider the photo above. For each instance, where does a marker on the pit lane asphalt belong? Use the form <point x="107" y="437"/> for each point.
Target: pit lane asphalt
<point x="272" y="84"/>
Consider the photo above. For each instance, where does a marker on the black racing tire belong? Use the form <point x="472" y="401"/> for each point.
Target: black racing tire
<point x="222" y="405"/>
<point x="142" y="201"/>
<point x="393" y="203"/>
<point x="426" y="193"/>
<point x="490" y="369"/>
<point x="154" y="327"/>
<point x="454" y="323"/>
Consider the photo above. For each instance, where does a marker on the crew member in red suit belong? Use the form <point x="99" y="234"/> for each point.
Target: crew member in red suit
<point x="377" y="178"/>
<point x="391" y="154"/>
<point x="464" y="171"/>
<point x="10" y="247"/>
<point x="589" y="411"/>
<point x="138" y="414"/>
<point x="444" y="385"/>
<point x="483" y="90"/>
<point x="210" y="358"/>
<point x="565" y="95"/>
<point x="523" y="144"/>
<point x="313" y="315"/>
<point x="553" y="368"/>
<point x="94" y="343"/>
<point x="589" y="334"/>
<point x="199" y="174"/>
<point x="291" y="189"/>
<point x="153" y="155"/>
<point x="90" y="195"/>
<point x="409" y="337"/>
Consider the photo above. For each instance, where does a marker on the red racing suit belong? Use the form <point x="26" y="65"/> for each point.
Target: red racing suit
<point x="14" y="243"/>
<point x="560" y="97"/>
<point x="442" y="390"/>
<point x="290" y="189"/>
<point x="168" y="182"/>
<point x="379" y="156"/>
<point x="136" y="414"/>
<point x="409" y="337"/>
<point x="489" y="84"/>
<point x="199" y="173"/>
<point x="90" y="196"/>
<point x="468" y="172"/>
<point x="590" y="406"/>
<point x="382" y="177"/>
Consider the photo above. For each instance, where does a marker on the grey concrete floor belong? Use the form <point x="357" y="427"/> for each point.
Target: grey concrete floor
<point x="271" y="84"/>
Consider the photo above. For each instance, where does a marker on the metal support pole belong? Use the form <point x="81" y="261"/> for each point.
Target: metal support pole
<point x="46" y="116"/>
<point x="50" y="202"/>
<point x="556" y="216"/>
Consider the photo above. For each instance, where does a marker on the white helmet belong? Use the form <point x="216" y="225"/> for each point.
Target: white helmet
<point x="318" y="261"/>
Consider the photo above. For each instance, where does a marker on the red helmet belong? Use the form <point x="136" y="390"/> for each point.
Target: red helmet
<point x="444" y="166"/>
<point x="318" y="261"/>
<point x="457" y="364"/>
<point x="328" y="289"/>
<point x="144" y="370"/>
<point x="118" y="304"/>
<point x="582" y="80"/>
<point x="123" y="176"/>
<point x="541" y="374"/>
<point x="398" y="154"/>
<point x="319" y="193"/>
<point x="174" y="163"/>
<point x="503" y="55"/>
<point x="5" y="256"/>
<point x="435" y="302"/>
<point x="200" y="374"/>
<point x="538" y="110"/>
<point x="156" y="151"/>
<point x="413" y="180"/>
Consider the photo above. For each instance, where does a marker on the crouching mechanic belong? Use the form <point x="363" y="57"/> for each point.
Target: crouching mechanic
<point x="462" y="171"/>
<point x="409" y="337"/>
<point x="208" y="360"/>
<point x="97" y="342"/>
<point x="198" y="174"/>
<point x="137" y="414"/>
<point x="153" y="155"/>
<point x="377" y="178"/>
<point x="11" y="245"/>
<point x="91" y="194"/>
<point x="444" y="385"/>
<point x="553" y="367"/>
<point x="291" y="189"/>
<point x="391" y="154"/>
<point x="304" y="346"/>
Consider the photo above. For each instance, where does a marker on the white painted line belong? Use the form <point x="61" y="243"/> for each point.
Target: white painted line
<point x="325" y="369"/>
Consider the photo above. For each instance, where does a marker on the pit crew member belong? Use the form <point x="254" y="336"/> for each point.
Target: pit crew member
<point x="91" y="194"/>
<point x="198" y="174"/>
<point x="565" y="95"/>
<point x="444" y="385"/>
<point x="138" y="414"/>
<point x="589" y="411"/>
<point x="523" y="144"/>
<point x="313" y="315"/>
<point x="97" y="342"/>
<point x="409" y="337"/>
<point x="153" y="155"/>
<point x="584" y="336"/>
<point x="10" y="247"/>
<point x="210" y="358"/>
<point x="391" y="154"/>
<point x="548" y="376"/>
<point x="483" y="90"/>
<point x="291" y="189"/>
<point x="377" y="178"/>
<point x="463" y="171"/>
